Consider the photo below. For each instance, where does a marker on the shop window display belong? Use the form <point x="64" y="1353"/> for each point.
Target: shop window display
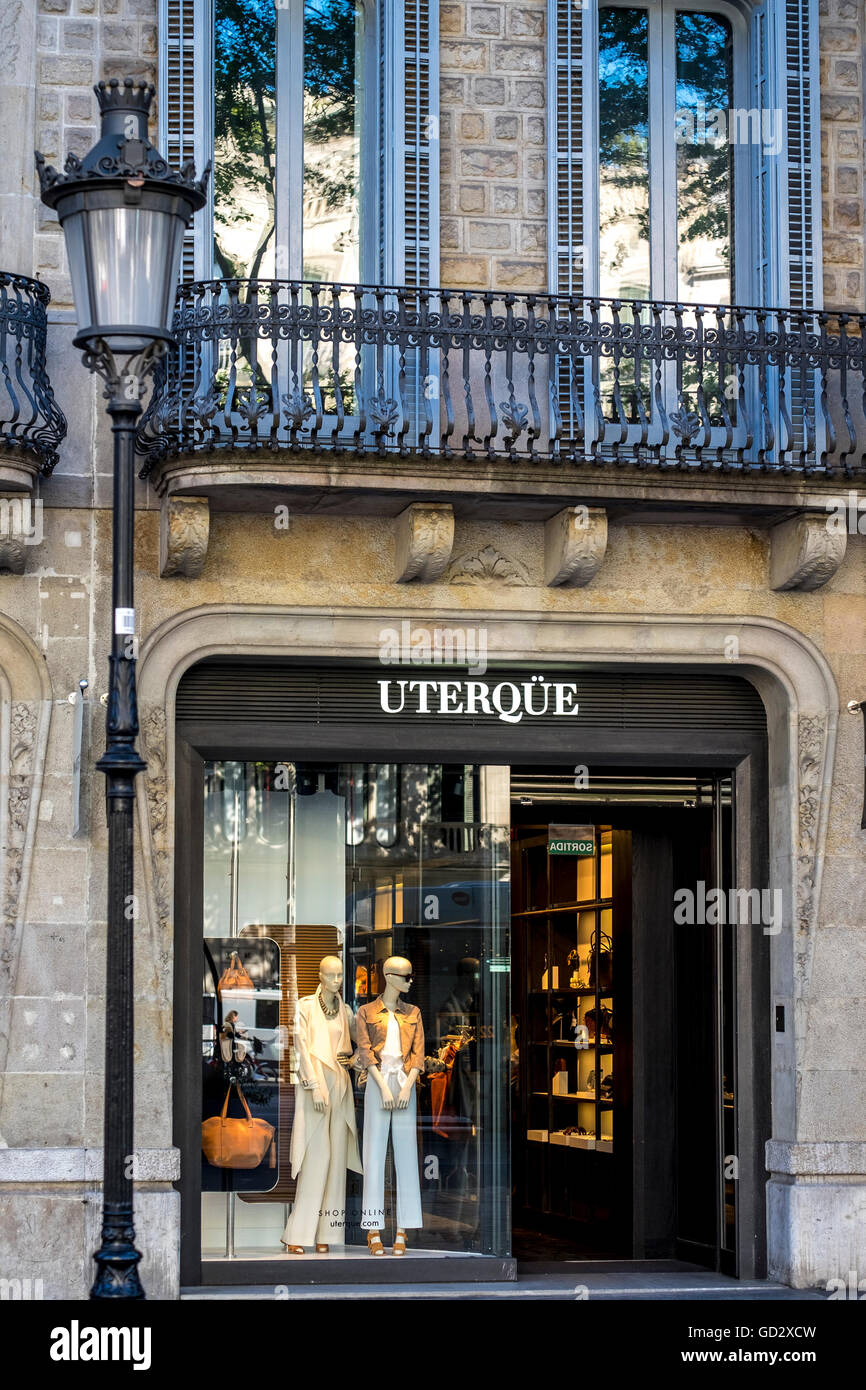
<point x="356" y="1001"/>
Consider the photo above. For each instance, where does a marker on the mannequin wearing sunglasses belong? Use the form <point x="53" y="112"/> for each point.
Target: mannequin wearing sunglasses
<point x="391" y="1047"/>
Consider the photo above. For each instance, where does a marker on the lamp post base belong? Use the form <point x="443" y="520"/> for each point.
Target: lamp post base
<point x="117" y="1258"/>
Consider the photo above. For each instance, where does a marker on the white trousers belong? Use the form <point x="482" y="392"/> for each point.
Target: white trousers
<point x="402" y="1126"/>
<point x="318" y="1216"/>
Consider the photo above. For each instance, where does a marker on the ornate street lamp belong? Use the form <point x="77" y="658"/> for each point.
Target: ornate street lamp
<point x="124" y="212"/>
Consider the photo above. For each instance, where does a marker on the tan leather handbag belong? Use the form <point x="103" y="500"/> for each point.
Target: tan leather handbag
<point x="230" y="1143"/>
<point x="235" y="975"/>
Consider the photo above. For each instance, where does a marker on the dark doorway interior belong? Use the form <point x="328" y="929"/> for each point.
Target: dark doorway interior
<point x="619" y="1142"/>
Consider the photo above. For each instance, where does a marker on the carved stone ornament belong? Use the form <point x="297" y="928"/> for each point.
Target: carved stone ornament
<point x="25" y="767"/>
<point x="424" y="535"/>
<point x="184" y="528"/>
<point x="489" y="565"/>
<point x="20" y="788"/>
<point x="805" y="552"/>
<point x="575" y="542"/>
<point x="811" y="742"/>
<point x="153" y="738"/>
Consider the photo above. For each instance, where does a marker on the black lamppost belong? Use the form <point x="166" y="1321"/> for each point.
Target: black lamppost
<point x="123" y="211"/>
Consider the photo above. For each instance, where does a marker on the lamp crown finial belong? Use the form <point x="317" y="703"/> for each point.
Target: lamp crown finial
<point x="127" y="94"/>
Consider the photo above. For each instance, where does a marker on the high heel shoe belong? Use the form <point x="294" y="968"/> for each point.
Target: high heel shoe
<point x="374" y="1243"/>
<point x="321" y="1249"/>
<point x="399" y="1243"/>
<point x="292" y="1249"/>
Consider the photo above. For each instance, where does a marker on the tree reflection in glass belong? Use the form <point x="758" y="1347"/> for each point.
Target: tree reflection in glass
<point x="624" y="200"/>
<point x="332" y="36"/>
<point x="244" y="138"/>
<point x="704" y="158"/>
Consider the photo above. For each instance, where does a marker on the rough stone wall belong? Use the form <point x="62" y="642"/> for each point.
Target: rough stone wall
<point x="841" y="40"/>
<point x="77" y="43"/>
<point x="493" y="156"/>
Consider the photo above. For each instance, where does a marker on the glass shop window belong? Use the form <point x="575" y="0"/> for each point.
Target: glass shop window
<point x="322" y="882"/>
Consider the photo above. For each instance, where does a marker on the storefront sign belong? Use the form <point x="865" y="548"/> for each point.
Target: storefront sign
<point x="576" y="840"/>
<point x="509" y="700"/>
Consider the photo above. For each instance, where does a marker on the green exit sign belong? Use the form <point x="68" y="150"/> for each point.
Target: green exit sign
<point x="578" y="840"/>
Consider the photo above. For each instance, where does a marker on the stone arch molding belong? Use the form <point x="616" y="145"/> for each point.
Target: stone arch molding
<point x="793" y="678"/>
<point x="25" y="719"/>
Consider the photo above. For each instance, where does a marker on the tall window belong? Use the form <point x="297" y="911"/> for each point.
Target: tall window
<point x="682" y="137"/>
<point x="282" y="78"/>
<point x="321" y="120"/>
<point x="665" y="81"/>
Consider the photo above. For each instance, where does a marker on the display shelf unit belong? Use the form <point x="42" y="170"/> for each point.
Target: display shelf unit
<point x="567" y="931"/>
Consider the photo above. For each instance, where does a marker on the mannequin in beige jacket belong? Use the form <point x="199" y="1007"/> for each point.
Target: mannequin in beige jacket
<point x="324" y="1137"/>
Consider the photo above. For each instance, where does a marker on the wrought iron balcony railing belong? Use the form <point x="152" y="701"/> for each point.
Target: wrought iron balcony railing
<point x="30" y="418"/>
<point x="487" y="376"/>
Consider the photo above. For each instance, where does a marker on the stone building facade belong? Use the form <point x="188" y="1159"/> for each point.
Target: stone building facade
<point x="669" y="568"/>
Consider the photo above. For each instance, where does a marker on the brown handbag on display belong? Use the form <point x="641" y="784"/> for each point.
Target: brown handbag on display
<point x="235" y="975"/>
<point x="230" y="1143"/>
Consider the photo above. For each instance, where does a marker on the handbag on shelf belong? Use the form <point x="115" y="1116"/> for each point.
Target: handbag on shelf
<point x="601" y="962"/>
<point x="235" y="976"/>
<point x="230" y="1143"/>
<point x="604" y="1018"/>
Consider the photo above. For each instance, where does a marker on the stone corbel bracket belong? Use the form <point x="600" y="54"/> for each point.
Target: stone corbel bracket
<point x="805" y="552"/>
<point x="575" y="543"/>
<point x="184" y="528"/>
<point x="424" y="537"/>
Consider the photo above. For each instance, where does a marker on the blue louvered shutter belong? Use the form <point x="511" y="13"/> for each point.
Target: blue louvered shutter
<point x="573" y="146"/>
<point x="572" y="115"/>
<point x="409" y="142"/>
<point x="185" y="100"/>
<point x="802" y="154"/>
<point x="787" y="184"/>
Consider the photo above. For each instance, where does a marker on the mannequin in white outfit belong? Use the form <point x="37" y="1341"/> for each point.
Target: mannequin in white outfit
<point x="324" y="1139"/>
<point x="391" y="1047"/>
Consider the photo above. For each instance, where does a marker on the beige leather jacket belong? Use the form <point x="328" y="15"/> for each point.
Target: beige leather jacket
<point x="372" y="1025"/>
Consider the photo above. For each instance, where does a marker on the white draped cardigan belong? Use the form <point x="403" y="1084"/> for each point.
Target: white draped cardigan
<point x="315" y="1052"/>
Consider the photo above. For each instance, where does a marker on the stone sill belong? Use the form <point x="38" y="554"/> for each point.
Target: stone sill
<point x="837" y="1158"/>
<point x="34" y="1166"/>
<point x="252" y="480"/>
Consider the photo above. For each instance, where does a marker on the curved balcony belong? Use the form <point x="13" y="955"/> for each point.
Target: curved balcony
<point x="32" y="425"/>
<point x="537" y="384"/>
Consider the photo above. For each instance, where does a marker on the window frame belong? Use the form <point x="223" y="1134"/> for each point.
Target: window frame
<point x="664" y="229"/>
<point x="764" y="185"/>
<point x="193" y="55"/>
